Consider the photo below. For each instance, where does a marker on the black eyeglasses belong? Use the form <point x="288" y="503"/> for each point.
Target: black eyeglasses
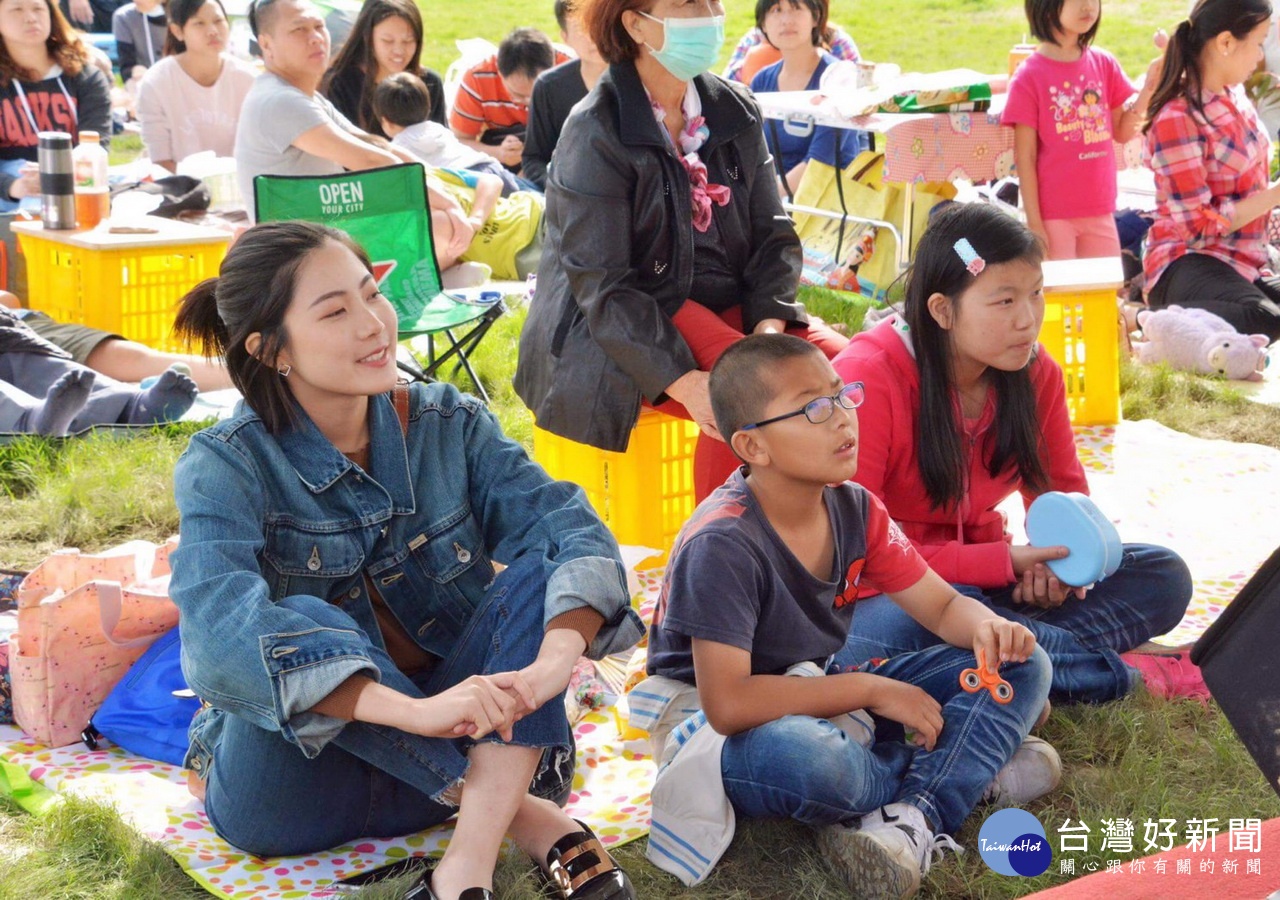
<point x="819" y="410"/>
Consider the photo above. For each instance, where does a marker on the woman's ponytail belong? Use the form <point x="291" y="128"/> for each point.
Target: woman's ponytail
<point x="198" y="322"/>
<point x="1180" y="74"/>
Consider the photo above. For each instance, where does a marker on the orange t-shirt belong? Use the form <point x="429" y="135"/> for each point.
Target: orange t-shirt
<point x="482" y="101"/>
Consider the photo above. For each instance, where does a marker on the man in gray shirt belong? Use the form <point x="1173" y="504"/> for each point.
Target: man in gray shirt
<point x="288" y="128"/>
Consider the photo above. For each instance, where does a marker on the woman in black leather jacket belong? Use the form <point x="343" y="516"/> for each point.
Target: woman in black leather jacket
<point x="656" y="259"/>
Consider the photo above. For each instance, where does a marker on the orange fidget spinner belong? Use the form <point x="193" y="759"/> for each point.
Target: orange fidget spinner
<point x="974" y="680"/>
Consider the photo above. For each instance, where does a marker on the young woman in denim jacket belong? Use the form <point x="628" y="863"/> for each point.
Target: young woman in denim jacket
<point x="365" y="673"/>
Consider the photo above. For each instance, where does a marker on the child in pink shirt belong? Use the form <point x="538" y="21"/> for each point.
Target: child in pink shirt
<point x="1067" y="104"/>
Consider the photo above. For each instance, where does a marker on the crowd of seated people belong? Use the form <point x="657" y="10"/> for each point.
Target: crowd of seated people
<point x="308" y="108"/>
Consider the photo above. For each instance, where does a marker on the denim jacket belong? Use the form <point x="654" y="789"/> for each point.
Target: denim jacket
<point x="265" y="518"/>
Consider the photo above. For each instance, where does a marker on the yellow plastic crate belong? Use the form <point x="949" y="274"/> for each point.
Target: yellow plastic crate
<point x="131" y="290"/>
<point x="1081" y="332"/>
<point x="645" y="494"/>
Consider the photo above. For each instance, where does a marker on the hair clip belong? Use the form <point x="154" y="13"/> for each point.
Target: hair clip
<point x="972" y="261"/>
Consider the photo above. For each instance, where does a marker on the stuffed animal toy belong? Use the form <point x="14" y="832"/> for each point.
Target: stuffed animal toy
<point x="1199" y="341"/>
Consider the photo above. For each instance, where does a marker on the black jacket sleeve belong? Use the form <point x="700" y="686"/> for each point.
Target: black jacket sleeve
<point x="772" y="273"/>
<point x="540" y="137"/>
<point x="127" y="55"/>
<point x="93" y="102"/>
<point x="590" y="216"/>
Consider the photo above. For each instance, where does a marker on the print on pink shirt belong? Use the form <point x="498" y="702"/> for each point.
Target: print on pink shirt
<point x="1079" y="113"/>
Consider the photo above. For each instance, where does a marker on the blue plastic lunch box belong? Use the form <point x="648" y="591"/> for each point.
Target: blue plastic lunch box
<point x="1075" y="522"/>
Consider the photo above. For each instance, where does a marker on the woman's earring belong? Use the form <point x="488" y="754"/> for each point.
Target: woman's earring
<point x="285" y="370"/>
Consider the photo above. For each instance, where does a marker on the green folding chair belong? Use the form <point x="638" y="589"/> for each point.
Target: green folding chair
<point x="385" y="211"/>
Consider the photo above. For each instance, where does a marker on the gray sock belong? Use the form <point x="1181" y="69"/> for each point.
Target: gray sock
<point x="165" y="400"/>
<point x="64" y="399"/>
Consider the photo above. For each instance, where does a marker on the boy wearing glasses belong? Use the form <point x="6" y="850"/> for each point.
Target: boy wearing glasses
<point x="761" y="586"/>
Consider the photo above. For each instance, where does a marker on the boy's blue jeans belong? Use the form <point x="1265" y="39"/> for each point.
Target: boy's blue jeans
<point x="807" y="769"/>
<point x="264" y="796"/>
<point x="1146" y="597"/>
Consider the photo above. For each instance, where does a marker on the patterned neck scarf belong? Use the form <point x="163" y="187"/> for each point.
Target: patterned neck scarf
<point x="695" y="133"/>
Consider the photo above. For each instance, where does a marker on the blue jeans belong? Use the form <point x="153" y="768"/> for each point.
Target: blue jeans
<point x="1147" y="596"/>
<point x="807" y="769"/>
<point x="264" y="796"/>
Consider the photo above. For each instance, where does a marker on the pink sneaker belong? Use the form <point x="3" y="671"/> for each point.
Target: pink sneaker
<point x="1170" y="675"/>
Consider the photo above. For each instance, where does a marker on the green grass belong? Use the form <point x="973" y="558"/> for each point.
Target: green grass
<point x="1207" y="407"/>
<point x="1137" y="759"/>
<point x="919" y="35"/>
<point x="81" y="849"/>
<point x="88" y="493"/>
<point x="1134" y="759"/>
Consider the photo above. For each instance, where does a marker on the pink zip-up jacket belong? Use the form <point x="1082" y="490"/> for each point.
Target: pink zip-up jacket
<point x="969" y="545"/>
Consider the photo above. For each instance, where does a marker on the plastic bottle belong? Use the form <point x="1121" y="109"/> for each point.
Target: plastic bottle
<point x="93" y="199"/>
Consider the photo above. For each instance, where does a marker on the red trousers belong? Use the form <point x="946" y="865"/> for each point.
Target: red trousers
<point x="709" y="334"/>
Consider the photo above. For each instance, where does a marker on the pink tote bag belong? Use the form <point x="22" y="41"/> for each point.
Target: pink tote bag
<point x="83" y="619"/>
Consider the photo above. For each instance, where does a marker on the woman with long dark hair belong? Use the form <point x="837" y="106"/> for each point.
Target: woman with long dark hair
<point x="385" y="39"/>
<point x="1211" y="157"/>
<point x="964" y="407"/>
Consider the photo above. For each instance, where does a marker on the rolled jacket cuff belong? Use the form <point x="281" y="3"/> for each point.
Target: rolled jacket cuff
<point x="304" y="668"/>
<point x="597" y="582"/>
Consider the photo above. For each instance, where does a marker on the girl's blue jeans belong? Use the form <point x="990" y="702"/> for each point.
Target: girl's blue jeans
<point x="264" y="796"/>
<point x="807" y="769"/>
<point x="1146" y="597"/>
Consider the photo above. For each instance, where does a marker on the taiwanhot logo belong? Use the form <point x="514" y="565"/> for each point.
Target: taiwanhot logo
<point x="1013" y="842"/>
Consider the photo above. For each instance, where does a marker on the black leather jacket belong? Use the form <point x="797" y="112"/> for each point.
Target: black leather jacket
<point x="617" y="259"/>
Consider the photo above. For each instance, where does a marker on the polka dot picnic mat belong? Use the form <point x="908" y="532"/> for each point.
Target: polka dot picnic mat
<point x="1214" y="502"/>
<point x="611" y="794"/>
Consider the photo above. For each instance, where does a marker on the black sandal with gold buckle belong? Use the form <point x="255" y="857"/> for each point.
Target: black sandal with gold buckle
<point x="579" y="868"/>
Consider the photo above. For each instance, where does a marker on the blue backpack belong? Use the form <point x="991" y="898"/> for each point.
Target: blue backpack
<point x="149" y="710"/>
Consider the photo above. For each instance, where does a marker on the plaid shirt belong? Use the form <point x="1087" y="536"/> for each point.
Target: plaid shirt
<point x="842" y="47"/>
<point x="1202" y="170"/>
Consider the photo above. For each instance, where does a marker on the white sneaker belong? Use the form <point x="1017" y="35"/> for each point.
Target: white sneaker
<point x="884" y="857"/>
<point x="1034" y="771"/>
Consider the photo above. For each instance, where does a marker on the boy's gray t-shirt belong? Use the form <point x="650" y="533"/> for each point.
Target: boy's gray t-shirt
<point x="274" y="115"/>
<point x="732" y="580"/>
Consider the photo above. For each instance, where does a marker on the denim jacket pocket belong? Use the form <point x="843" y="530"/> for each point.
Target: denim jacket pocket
<point x="305" y="561"/>
<point x="454" y="560"/>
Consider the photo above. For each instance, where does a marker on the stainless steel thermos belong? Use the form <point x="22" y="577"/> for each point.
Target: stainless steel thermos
<point x="57" y="180"/>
